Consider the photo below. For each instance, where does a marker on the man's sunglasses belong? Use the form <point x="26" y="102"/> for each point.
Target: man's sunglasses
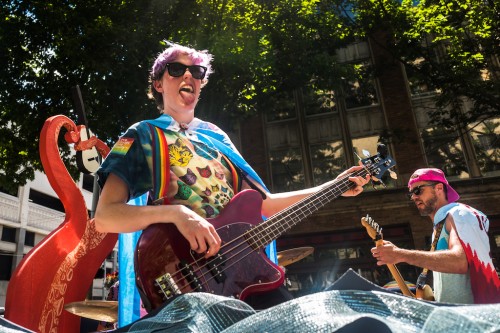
<point x="177" y="69"/>
<point x="418" y="190"/>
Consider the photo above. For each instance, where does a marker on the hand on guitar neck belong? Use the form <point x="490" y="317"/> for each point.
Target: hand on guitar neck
<point x="423" y="291"/>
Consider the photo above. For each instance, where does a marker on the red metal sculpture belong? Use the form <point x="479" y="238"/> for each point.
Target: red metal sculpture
<point x="60" y="269"/>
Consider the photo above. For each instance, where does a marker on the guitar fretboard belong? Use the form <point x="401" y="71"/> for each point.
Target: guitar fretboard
<point x="283" y="221"/>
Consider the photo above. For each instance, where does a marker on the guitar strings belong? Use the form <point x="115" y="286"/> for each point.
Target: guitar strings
<point x="267" y="226"/>
<point x="332" y="187"/>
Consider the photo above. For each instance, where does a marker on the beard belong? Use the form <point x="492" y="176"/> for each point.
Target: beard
<point x="429" y="206"/>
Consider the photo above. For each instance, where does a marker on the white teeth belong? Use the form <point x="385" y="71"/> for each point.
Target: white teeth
<point x="187" y="89"/>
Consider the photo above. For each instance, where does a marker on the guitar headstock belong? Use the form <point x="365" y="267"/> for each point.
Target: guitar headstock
<point x="379" y="164"/>
<point x="372" y="228"/>
<point x="87" y="160"/>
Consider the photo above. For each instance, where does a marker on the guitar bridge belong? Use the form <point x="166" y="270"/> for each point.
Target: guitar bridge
<point x="167" y="286"/>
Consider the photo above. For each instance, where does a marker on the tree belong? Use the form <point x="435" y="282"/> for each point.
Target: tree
<point x="448" y="46"/>
<point x="106" y="47"/>
<point x="263" y="51"/>
<point x="47" y="47"/>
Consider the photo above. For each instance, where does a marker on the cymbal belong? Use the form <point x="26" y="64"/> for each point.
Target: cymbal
<point x="98" y="310"/>
<point x="290" y="256"/>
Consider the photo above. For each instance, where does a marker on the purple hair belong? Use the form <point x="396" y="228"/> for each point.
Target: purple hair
<point x="202" y="58"/>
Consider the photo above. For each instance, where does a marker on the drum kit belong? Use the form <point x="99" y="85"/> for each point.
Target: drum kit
<point x="108" y="310"/>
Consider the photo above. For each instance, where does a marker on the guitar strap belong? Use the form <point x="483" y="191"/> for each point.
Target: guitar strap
<point x="437" y="233"/>
<point x="161" y="166"/>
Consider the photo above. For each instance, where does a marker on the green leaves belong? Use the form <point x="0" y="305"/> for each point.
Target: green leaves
<point x="262" y="50"/>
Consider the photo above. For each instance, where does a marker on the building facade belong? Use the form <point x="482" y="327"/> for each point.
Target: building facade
<point x="308" y="140"/>
<point x="29" y="215"/>
<point x="312" y="138"/>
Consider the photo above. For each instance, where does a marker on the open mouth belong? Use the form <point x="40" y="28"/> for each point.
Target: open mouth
<point x="188" y="94"/>
<point x="188" y="89"/>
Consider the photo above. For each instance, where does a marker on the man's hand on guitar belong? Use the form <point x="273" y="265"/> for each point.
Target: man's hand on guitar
<point x="357" y="180"/>
<point x="386" y="254"/>
<point x="200" y="234"/>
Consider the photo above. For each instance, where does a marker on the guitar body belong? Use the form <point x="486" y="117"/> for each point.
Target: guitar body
<point x="87" y="160"/>
<point x="425" y="293"/>
<point x="239" y="269"/>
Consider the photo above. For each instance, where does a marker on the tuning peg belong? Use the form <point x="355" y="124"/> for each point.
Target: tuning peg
<point x="392" y="174"/>
<point x="366" y="153"/>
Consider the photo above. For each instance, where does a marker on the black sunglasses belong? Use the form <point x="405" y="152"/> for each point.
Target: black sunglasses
<point x="418" y="190"/>
<point x="177" y="69"/>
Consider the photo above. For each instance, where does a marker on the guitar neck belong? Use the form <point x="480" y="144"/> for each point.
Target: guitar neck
<point x="397" y="275"/>
<point x="283" y="221"/>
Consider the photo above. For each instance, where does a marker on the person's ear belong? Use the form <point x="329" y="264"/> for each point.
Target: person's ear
<point x="158" y="86"/>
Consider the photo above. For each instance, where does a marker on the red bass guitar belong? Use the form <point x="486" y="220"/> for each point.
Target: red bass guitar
<point x="165" y="266"/>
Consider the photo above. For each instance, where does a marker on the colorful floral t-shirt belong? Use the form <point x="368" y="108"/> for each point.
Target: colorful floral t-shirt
<point x="200" y="177"/>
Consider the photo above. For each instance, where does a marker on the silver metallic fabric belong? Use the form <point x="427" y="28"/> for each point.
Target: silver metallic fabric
<point x="328" y="311"/>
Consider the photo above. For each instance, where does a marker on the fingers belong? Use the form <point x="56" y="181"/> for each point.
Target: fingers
<point x="385" y="254"/>
<point x="215" y="245"/>
<point x="359" y="182"/>
<point x="200" y="234"/>
<point x="350" y="170"/>
<point x="207" y="242"/>
<point x="380" y="261"/>
<point x="377" y="255"/>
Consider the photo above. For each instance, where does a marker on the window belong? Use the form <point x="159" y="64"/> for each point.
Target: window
<point x="318" y="101"/>
<point x="328" y="161"/>
<point x="420" y="85"/>
<point x="29" y="238"/>
<point x="473" y="151"/>
<point x="281" y="107"/>
<point x="286" y="166"/>
<point x="46" y="200"/>
<point x="307" y="130"/>
<point x="8" y="234"/>
<point x="486" y="140"/>
<point x="444" y="151"/>
<point x="360" y="91"/>
<point x="5" y="266"/>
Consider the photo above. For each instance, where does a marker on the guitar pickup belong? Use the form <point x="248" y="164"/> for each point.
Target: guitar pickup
<point x="215" y="266"/>
<point x="190" y="276"/>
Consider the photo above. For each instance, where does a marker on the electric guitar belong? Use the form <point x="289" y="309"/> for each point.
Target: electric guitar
<point x="87" y="160"/>
<point x="165" y="266"/>
<point x="423" y="291"/>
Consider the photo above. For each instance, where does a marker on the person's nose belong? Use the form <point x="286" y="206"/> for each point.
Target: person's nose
<point x="186" y="73"/>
